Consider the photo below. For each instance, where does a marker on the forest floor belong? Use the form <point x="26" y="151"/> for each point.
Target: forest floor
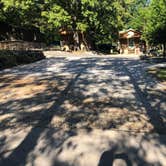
<point x="82" y="110"/>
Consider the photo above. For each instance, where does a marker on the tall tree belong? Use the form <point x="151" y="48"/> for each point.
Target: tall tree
<point x="148" y="16"/>
<point x="155" y="29"/>
<point x="100" y="20"/>
<point x="135" y="11"/>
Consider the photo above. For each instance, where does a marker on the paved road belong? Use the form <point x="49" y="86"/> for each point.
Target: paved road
<point x="82" y="111"/>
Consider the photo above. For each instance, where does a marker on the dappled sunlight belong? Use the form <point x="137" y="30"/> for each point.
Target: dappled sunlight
<point x="86" y="148"/>
<point x="102" y="115"/>
<point x="23" y="98"/>
<point x="11" y="140"/>
<point x="61" y="97"/>
<point x="22" y="88"/>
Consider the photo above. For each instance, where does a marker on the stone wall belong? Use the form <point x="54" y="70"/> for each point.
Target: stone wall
<point x="13" y="33"/>
<point x="20" y="45"/>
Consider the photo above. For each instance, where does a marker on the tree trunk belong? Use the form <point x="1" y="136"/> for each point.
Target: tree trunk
<point x="76" y="40"/>
<point x="164" y="49"/>
<point x="90" y="41"/>
<point x="85" y="42"/>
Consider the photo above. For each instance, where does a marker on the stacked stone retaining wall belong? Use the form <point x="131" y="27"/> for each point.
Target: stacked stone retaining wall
<point x="20" y="45"/>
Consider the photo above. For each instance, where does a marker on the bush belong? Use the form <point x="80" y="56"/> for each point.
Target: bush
<point x="144" y="57"/>
<point x="13" y="58"/>
<point x="107" y="49"/>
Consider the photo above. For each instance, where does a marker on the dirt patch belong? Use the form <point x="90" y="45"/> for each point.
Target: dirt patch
<point x="25" y="87"/>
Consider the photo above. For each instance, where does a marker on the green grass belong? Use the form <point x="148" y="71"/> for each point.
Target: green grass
<point x="160" y="73"/>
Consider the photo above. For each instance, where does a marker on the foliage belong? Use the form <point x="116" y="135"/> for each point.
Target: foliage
<point x="100" y="20"/>
<point x="148" y="16"/>
<point x="135" y="10"/>
<point x="155" y="30"/>
<point x="13" y="58"/>
<point x="160" y="73"/>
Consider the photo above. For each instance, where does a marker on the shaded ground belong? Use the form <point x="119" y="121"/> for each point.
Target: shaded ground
<point x="160" y="73"/>
<point x="68" y="111"/>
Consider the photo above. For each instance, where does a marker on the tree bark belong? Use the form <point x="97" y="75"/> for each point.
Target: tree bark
<point x="164" y="49"/>
<point x="76" y="40"/>
<point x="85" y="42"/>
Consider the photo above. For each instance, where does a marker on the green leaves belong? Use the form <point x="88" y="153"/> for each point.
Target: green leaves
<point x="99" y="19"/>
<point x="56" y="16"/>
<point x="147" y="16"/>
<point x="155" y="31"/>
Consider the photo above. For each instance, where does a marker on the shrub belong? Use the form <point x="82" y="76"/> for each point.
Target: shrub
<point x="12" y="58"/>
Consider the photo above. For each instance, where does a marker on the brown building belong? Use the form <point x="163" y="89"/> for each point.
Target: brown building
<point x="73" y="40"/>
<point x="130" y="42"/>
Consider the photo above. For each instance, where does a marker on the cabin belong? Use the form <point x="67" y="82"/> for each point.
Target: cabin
<point x="130" y="42"/>
<point x="73" y="40"/>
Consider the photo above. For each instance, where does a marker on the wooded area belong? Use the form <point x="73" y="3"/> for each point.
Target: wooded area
<point x="82" y="82"/>
<point x="99" y="20"/>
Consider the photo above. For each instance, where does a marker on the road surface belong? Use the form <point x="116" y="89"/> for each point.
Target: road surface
<point x="82" y="111"/>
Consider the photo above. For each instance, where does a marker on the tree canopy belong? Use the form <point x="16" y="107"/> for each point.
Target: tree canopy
<point x="99" y="19"/>
<point x="150" y="19"/>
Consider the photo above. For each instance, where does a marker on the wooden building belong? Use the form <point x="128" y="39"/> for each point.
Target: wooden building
<point x="130" y="42"/>
<point x="73" y="40"/>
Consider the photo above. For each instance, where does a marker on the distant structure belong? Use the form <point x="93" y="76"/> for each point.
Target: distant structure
<point x="19" y="38"/>
<point x="130" y="42"/>
<point x="73" y="41"/>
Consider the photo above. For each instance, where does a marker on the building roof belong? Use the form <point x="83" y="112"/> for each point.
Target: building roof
<point x="130" y="33"/>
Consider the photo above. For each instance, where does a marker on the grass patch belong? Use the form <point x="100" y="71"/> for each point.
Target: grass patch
<point x="160" y="73"/>
<point x="152" y="60"/>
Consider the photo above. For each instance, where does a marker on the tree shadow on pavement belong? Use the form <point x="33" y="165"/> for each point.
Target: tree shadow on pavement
<point x="75" y="94"/>
<point x="109" y="157"/>
<point x="30" y="141"/>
